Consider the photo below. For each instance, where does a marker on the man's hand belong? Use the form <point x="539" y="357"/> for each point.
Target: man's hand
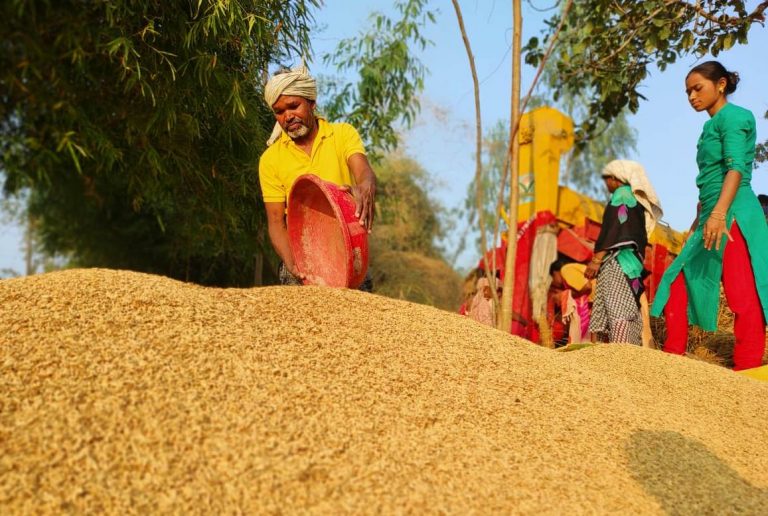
<point x="291" y="267"/>
<point x="365" y="202"/>
<point x="364" y="190"/>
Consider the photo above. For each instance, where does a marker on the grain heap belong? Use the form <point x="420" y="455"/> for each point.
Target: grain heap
<point x="129" y="392"/>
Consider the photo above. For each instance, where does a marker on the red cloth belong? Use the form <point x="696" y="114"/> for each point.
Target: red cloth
<point x="521" y="304"/>
<point x="741" y="294"/>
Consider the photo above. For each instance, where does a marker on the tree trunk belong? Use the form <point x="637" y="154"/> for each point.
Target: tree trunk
<point x="490" y="272"/>
<point x="29" y="244"/>
<point x="258" y="270"/>
<point x="514" y="171"/>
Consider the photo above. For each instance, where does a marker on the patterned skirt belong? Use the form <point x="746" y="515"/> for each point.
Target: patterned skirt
<point x="616" y="313"/>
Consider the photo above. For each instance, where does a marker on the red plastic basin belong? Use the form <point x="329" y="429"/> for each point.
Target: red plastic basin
<point x="328" y="243"/>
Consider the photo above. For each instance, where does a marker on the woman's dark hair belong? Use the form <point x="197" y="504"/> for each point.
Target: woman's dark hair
<point x="714" y="71"/>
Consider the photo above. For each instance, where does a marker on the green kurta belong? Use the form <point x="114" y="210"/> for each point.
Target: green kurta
<point x="727" y="142"/>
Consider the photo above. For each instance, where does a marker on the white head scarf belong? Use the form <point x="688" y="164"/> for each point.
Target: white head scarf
<point x="296" y="82"/>
<point x="633" y="174"/>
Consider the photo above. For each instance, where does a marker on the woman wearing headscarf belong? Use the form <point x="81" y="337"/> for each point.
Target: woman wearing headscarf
<point x="617" y="262"/>
<point x="481" y="307"/>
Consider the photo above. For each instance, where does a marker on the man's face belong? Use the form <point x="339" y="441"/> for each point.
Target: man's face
<point x="295" y="115"/>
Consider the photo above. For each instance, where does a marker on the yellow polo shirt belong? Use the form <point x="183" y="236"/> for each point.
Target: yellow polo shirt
<point x="284" y="161"/>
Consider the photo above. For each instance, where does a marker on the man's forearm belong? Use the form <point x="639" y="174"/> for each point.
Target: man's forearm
<point x="278" y="235"/>
<point x="364" y="189"/>
<point x="365" y="175"/>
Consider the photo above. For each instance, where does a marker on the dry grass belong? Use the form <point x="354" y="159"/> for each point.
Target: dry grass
<point x="130" y="393"/>
<point x="417" y="278"/>
<point x="714" y="347"/>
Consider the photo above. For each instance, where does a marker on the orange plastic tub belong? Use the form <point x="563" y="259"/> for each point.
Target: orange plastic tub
<point x="329" y="245"/>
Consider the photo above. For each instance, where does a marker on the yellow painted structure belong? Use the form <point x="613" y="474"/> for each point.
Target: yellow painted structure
<point x="545" y="135"/>
<point x="758" y="373"/>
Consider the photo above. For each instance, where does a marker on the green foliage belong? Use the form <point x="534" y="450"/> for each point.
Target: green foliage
<point x="495" y="167"/>
<point x="583" y="165"/>
<point x="606" y="46"/>
<point x="581" y="170"/>
<point x="416" y="278"/>
<point x="15" y="210"/>
<point x="137" y="127"/>
<point x="611" y="140"/>
<point x="407" y="218"/>
<point x="406" y="262"/>
<point x="761" y="151"/>
<point x="390" y="76"/>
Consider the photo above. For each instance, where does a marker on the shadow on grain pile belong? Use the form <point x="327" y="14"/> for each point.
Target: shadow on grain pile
<point x="130" y="392"/>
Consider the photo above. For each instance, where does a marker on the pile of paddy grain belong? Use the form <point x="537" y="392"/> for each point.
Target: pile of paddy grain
<point x="130" y="392"/>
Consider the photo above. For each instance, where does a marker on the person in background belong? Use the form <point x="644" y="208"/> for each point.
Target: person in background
<point x="556" y="333"/>
<point x="764" y="204"/>
<point x="481" y="308"/>
<point x="728" y="239"/>
<point x="617" y="263"/>
<point x="468" y="290"/>
<point x="575" y="303"/>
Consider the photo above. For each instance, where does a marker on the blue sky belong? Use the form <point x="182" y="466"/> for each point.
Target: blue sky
<point x="667" y="127"/>
<point x="442" y="139"/>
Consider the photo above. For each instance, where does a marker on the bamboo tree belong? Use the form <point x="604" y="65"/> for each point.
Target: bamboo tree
<point x="136" y="127"/>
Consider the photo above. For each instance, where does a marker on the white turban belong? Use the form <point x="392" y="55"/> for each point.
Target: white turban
<point x="633" y="174"/>
<point x="296" y="82"/>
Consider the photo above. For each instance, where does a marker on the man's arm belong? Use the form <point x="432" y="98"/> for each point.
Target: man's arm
<point x="278" y="234"/>
<point x="364" y="190"/>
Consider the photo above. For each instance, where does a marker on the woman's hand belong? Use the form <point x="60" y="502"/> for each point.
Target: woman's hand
<point x="714" y="228"/>
<point x="591" y="270"/>
<point x="713" y="232"/>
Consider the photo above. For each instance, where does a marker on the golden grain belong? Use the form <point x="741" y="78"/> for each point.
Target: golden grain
<point x="132" y="393"/>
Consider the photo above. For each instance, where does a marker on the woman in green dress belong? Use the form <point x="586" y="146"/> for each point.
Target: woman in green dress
<point x="728" y="240"/>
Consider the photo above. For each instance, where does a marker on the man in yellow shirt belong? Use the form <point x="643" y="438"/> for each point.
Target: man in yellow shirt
<point x="303" y="143"/>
